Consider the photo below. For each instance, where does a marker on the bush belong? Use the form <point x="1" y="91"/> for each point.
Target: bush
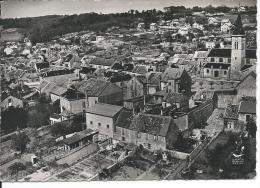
<point x="20" y="141"/>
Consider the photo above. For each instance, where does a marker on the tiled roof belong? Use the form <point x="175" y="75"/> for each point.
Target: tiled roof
<point x="57" y="90"/>
<point x="92" y="87"/>
<point x="171" y="74"/>
<point x="140" y="69"/>
<point x="217" y="52"/>
<point x="170" y="97"/>
<point x="124" y="119"/>
<point x="152" y="124"/>
<point x="231" y="112"/>
<point x="71" y="94"/>
<point x="154" y="78"/>
<point x="142" y="79"/>
<point x="205" y="93"/>
<point x="104" y="109"/>
<point x="102" y="61"/>
<point x="78" y="136"/>
<point x="247" y="107"/>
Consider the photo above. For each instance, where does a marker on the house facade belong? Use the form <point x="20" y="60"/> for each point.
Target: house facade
<point x="102" y="117"/>
<point x="145" y="130"/>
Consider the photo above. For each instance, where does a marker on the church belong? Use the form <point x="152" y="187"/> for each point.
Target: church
<point x="223" y="63"/>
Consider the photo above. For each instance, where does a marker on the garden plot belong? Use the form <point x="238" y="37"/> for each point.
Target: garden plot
<point x="83" y="170"/>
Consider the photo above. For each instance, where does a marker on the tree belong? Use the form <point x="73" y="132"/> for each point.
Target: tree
<point x="15" y="168"/>
<point x="251" y="127"/>
<point x="19" y="142"/>
<point x="13" y="118"/>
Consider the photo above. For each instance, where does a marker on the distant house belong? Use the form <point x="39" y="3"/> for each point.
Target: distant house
<point x="102" y="117"/>
<point x="32" y="80"/>
<point x="176" y="81"/>
<point x="100" y="91"/>
<point x="140" y="26"/>
<point x="153" y="26"/>
<point x="11" y="101"/>
<point x="39" y="66"/>
<point x="200" y="56"/>
<point x="72" y="102"/>
<point x="230" y="118"/>
<point x="225" y="25"/>
<point x="247" y="110"/>
<point x="101" y="63"/>
<point x="57" y="92"/>
<point x="170" y="99"/>
<point x="213" y="21"/>
<point x="202" y="96"/>
<point x="153" y="132"/>
<point x="197" y="26"/>
<point x="247" y="86"/>
<point x="71" y="60"/>
<point x="183" y="31"/>
<point x="153" y="79"/>
<point x="136" y="87"/>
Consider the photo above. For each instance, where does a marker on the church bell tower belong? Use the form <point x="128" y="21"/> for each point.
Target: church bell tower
<point x="238" y="48"/>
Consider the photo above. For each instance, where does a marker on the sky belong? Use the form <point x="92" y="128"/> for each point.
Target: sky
<point x="33" y="8"/>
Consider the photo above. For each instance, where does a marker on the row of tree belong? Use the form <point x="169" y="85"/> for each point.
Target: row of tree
<point x="43" y="29"/>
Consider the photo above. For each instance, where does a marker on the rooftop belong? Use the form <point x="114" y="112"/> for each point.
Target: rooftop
<point x="247" y="107"/>
<point x="152" y="124"/>
<point x="218" y="52"/>
<point x="104" y="109"/>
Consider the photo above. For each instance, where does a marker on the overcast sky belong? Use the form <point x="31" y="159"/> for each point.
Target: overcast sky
<point x="32" y="8"/>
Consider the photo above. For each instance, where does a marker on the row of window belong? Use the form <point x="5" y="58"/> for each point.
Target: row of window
<point x="225" y="72"/>
<point x="221" y="60"/>
<point x="99" y="124"/>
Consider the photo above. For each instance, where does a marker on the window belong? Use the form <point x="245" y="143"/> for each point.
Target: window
<point x="221" y="59"/>
<point x="149" y="146"/>
<point x="225" y="72"/>
<point x="248" y="117"/>
<point x="236" y="45"/>
<point x="169" y="83"/>
<point x="123" y="138"/>
<point x="91" y="122"/>
<point x="9" y="100"/>
<point x="229" y="60"/>
<point x="95" y="102"/>
<point x="155" y="137"/>
<point x="123" y="132"/>
<point x="107" y="126"/>
<point x="235" y="58"/>
<point x="207" y="70"/>
<point x="83" y="105"/>
<point x="212" y="59"/>
<point x="146" y="136"/>
<point x="99" y="124"/>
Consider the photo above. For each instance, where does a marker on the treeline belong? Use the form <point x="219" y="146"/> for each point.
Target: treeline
<point x="43" y="29"/>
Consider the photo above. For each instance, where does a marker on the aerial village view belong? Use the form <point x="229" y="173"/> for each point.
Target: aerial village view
<point x="153" y="94"/>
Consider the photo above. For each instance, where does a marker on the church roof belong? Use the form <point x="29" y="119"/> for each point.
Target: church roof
<point x="238" y="29"/>
<point x="219" y="52"/>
